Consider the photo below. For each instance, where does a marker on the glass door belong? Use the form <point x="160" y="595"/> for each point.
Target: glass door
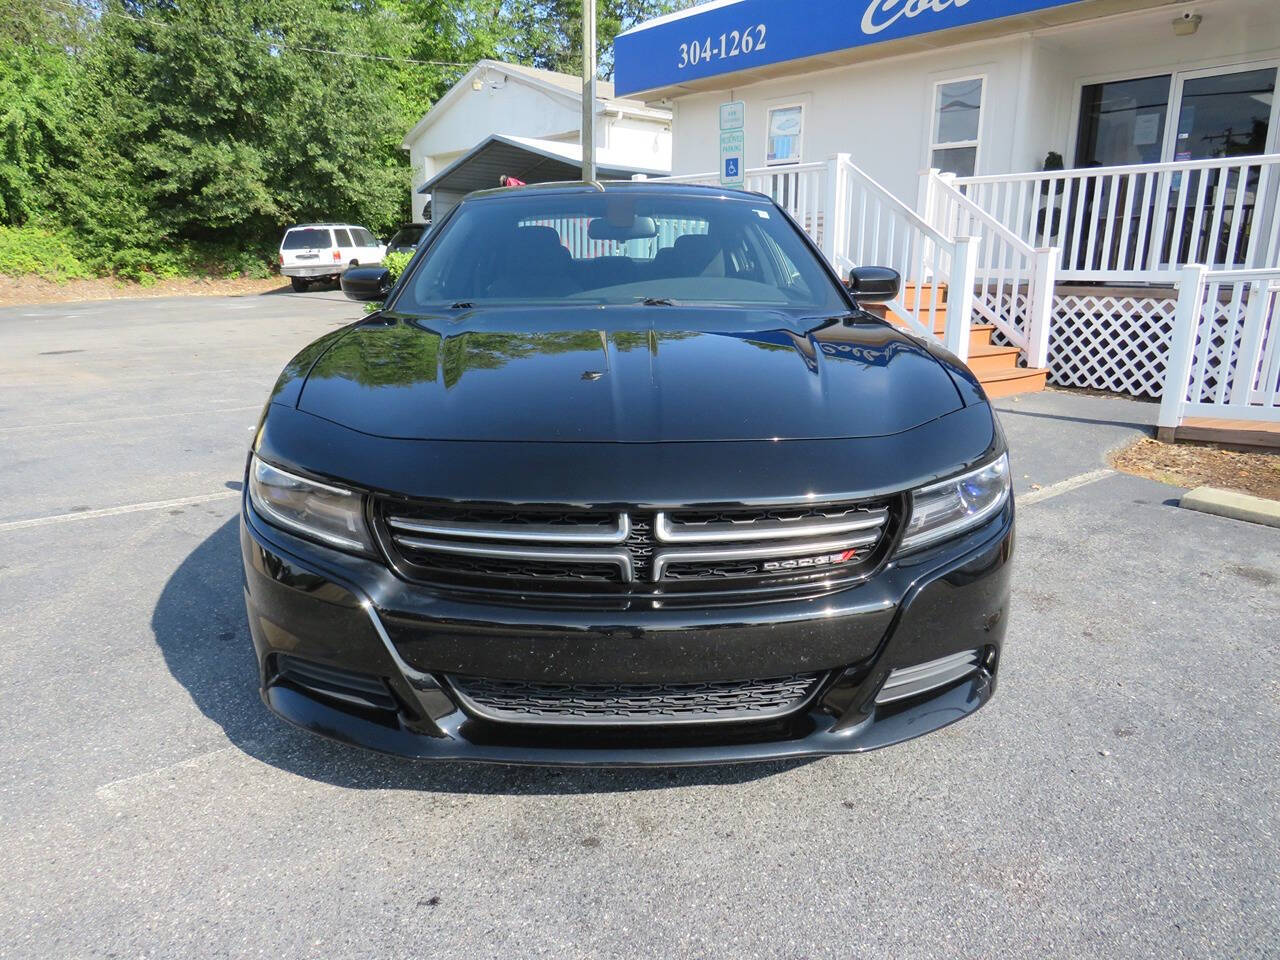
<point x="1223" y="114"/>
<point x="1219" y="115"/>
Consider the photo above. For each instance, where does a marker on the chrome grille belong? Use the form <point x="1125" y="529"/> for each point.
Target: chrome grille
<point x="518" y="701"/>
<point x="634" y="553"/>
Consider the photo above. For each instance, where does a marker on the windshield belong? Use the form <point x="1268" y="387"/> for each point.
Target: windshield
<point x="307" y="237"/>
<point x="620" y="248"/>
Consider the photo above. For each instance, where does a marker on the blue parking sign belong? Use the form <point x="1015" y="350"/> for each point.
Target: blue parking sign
<point x="732" y="144"/>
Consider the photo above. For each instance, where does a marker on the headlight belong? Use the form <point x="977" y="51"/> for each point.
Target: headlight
<point x="328" y="514"/>
<point x="942" y="510"/>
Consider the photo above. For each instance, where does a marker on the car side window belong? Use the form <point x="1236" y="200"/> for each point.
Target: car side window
<point x="366" y="238"/>
<point x="344" y="238"/>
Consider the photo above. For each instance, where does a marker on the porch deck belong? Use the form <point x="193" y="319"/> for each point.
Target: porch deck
<point x="1158" y="280"/>
<point x="1248" y="433"/>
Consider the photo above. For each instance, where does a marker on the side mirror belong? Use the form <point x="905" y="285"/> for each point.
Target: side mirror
<point x="366" y="283"/>
<point x="874" y="284"/>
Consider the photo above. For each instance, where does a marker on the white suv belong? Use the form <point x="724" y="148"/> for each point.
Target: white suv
<point x="322" y="251"/>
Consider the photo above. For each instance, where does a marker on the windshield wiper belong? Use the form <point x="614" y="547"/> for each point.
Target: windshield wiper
<point x="658" y="302"/>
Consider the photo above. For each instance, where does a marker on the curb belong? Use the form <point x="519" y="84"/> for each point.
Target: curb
<point x="1236" y="506"/>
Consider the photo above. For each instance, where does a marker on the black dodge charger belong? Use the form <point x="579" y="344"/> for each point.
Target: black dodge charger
<point x="622" y="474"/>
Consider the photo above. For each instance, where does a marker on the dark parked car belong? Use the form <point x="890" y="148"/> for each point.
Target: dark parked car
<point x="407" y="238"/>
<point x="622" y="475"/>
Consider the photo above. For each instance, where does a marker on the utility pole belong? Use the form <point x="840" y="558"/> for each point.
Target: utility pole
<point x="588" y="89"/>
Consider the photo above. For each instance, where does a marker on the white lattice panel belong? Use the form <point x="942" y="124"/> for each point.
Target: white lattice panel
<point x="1111" y="343"/>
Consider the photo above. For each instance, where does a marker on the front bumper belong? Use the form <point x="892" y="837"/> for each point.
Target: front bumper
<point x="353" y="614"/>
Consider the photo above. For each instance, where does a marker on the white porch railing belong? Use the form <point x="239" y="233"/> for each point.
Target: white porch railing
<point x="800" y="189"/>
<point x="1224" y="360"/>
<point x="857" y="222"/>
<point x="1014" y="281"/>
<point x="1142" y="222"/>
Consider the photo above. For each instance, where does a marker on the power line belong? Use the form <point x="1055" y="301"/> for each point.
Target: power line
<point x="276" y="44"/>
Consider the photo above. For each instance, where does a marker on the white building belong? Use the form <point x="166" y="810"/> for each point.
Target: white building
<point x="1164" y="115"/>
<point x="975" y="86"/>
<point x="536" y="116"/>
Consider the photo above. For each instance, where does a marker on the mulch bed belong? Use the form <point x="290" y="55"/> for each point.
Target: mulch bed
<point x="21" y="291"/>
<point x="1186" y="464"/>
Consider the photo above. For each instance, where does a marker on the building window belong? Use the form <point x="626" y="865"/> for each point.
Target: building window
<point x="1122" y="121"/>
<point x="1217" y="112"/>
<point x="786" y="129"/>
<point x="957" y="125"/>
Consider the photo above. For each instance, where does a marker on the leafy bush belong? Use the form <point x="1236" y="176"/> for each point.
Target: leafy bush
<point x="52" y="254"/>
<point x="64" y="254"/>
<point x="395" y="263"/>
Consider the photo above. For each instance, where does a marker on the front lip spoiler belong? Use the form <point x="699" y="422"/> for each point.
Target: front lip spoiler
<point x="954" y="703"/>
<point x="827" y="737"/>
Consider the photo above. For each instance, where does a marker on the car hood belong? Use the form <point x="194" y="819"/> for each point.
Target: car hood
<point x="626" y="374"/>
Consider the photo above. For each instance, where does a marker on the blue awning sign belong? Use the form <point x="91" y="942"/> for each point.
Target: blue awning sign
<point x="752" y="33"/>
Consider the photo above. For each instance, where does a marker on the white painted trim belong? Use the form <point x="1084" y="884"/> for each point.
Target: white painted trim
<point x="1062" y="486"/>
<point x="116" y="511"/>
<point x="679" y="15"/>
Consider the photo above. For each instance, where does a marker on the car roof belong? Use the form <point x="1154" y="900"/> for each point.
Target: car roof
<point x="662" y="187"/>
<point x="299" y="226"/>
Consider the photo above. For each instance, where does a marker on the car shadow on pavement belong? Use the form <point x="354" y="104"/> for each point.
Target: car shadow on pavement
<point x="1090" y="421"/>
<point x="199" y="624"/>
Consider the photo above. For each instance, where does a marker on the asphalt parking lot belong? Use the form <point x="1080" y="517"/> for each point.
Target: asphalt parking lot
<point x="1120" y="796"/>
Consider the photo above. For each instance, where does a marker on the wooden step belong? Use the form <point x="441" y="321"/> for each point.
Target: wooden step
<point x="913" y="293"/>
<point x="935" y="316"/>
<point x="979" y="333"/>
<point x="996" y="367"/>
<point x="989" y="359"/>
<point x="1006" y="383"/>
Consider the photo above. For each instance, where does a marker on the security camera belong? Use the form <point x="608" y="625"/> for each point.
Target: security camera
<point x="1186" y="23"/>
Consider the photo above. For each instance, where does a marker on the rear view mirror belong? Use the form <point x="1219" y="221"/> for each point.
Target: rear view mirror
<point x="366" y="283"/>
<point x="637" y="228"/>
<point x="874" y="284"/>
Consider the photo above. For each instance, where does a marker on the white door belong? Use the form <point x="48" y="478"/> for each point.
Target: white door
<point x="370" y="250"/>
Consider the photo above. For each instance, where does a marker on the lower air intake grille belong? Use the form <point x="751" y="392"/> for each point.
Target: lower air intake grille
<point x="358" y="689"/>
<point x="518" y="701"/>
<point x="906" y="682"/>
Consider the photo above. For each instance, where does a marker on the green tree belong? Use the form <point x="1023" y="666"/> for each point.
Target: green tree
<point x="37" y="74"/>
<point x="162" y="133"/>
<point x="548" y="33"/>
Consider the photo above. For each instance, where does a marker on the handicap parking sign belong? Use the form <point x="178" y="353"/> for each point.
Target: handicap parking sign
<point x="732" y="147"/>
